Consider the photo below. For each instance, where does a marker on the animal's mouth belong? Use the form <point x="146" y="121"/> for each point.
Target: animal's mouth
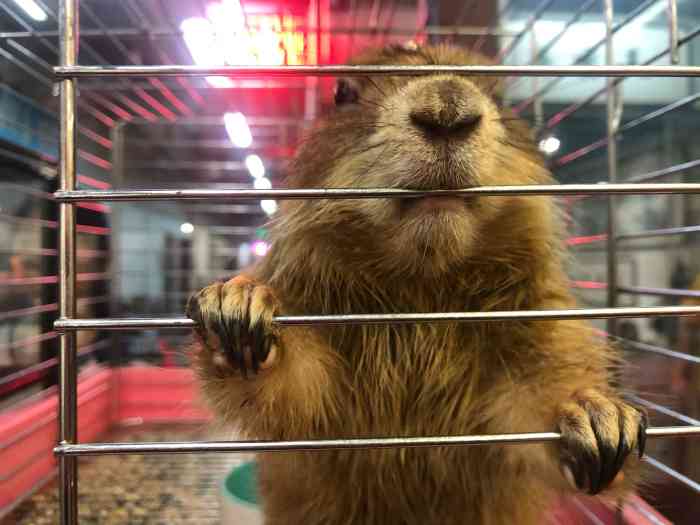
<point x="435" y="204"/>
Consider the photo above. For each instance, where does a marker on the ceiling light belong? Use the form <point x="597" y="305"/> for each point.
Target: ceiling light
<point x="238" y="130"/>
<point x="262" y="184"/>
<point x="255" y="166"/>
<point x="268" y="206"/>
<point x="32" y="9"/>
<point x="260" y="248"/>
<point x="186" y="228"/>
<point x="550" y="145"/>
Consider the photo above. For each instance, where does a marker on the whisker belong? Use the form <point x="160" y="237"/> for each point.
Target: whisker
<point x="376" y="86"/>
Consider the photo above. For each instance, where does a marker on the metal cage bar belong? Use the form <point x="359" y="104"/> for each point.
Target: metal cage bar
<point x="645" y="347"/>
<point x="68" y="403"/>
<point x="78" y="71"/>
<point x="132" y="323"/>
<point x="68" y="72"/>
<point x="91" y="449"/>
<point x="673" y="473"/>
<point x="371" y="193"/>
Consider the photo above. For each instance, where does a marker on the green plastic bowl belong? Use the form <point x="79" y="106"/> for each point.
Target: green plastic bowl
<point x="239" y="501"/>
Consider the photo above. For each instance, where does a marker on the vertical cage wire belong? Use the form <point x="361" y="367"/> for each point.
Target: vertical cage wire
<point x="68" y="467"/>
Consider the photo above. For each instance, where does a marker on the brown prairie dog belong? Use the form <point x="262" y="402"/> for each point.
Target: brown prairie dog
<point x="437" y="254"/>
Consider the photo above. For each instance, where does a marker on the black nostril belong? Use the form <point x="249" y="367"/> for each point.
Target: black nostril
<point x="434" y="125"/>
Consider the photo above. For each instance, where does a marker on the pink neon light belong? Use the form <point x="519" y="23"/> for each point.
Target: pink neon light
<point x="575" y="241"/>
<point x="589" y="285"/>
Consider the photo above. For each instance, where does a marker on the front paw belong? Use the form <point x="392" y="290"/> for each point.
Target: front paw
<point x="598" y="433"/>
<point x="234" y="321"/>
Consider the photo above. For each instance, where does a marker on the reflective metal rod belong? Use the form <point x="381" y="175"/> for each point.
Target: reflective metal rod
<point x="377" y="70"/>
<point x="610" y="32"/>
<point x="68" y="467"/>
<point x="539" y="11"/>
<point x="673" y="31"/>
<point x="44" y="80"/>
<point x="658" y="350"/>
<point x="668" y="292"/>
<point x="371" y="193"/>
<point x="674" y="474"/>
<point x="573" y="108"/>
<point x="671" y="170"/>
<point x="663" y="410"/>
<point x="585" y="7"/>
<point x="594" y="146"/>
<point x="94" y="53"/>
<point x="187" y="447"/>
<point x="661" y="232"/>
<point x="343" y="319"/>
<point x="50" y="363"/>
<point x="164" y="32"/>
<point x="614" y="108"/>
<point x="652" y="175"/>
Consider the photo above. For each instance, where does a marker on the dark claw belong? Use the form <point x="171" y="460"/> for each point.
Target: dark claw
<point x="234" y="328"/>
<point x="261" y="343"/>
<point x="623" y="447"/>
<point x="578" y="470"/>
<point x="606" y="461"/>
<point x="642" y="433"/>
<point x="227" y="342"/>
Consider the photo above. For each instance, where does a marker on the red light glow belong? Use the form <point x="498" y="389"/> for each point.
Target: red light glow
<point x="227" y="36"/>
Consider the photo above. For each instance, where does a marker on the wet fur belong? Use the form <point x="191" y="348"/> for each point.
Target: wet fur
<point x="335" y="257"/>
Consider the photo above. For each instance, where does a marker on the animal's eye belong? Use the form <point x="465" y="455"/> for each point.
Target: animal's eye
<point x="345" y="93"/>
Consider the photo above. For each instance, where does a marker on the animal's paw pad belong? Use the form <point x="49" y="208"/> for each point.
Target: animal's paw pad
<point x="234" y="320"/>
<point x="597" y="436"/>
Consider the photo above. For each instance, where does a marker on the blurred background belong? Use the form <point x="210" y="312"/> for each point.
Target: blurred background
<point x="144" y="259"/>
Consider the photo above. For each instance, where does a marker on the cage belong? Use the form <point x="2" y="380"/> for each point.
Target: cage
<point x="144" y="144"/>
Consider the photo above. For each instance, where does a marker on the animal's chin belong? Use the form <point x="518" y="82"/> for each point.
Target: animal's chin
<point x="434" y="236"/>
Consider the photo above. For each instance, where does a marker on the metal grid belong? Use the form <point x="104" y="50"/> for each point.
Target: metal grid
<point x="68" y="449"/>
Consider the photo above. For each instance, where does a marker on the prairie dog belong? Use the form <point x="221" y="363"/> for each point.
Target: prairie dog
<point x="437" y="254"/>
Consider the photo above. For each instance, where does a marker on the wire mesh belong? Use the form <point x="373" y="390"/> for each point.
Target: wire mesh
<point x="137" y="102"/>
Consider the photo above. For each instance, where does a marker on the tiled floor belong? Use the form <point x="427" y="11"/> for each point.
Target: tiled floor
<point x="140" y="490"/>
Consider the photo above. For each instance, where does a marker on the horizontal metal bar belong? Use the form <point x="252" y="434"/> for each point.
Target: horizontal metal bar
<point x="658" y="350"/>
<point x="161" y="32"/>
<point x="661" y="232"/>
<point x="673" y="473"/>
<point x="373" y="193"/>
<point x="375" y="70"/>
<point x="666" y="292"/>
<point x="525" y="315"/>
<point x="657" y="174"/>
<point x="663" y="410"/>
<point x="187" y="447"/>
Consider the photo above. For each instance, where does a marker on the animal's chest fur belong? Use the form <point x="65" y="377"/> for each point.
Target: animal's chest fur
<point x="419" y="380"/>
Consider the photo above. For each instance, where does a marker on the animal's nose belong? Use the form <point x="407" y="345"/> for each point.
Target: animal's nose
<point x="446" y="108"/>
